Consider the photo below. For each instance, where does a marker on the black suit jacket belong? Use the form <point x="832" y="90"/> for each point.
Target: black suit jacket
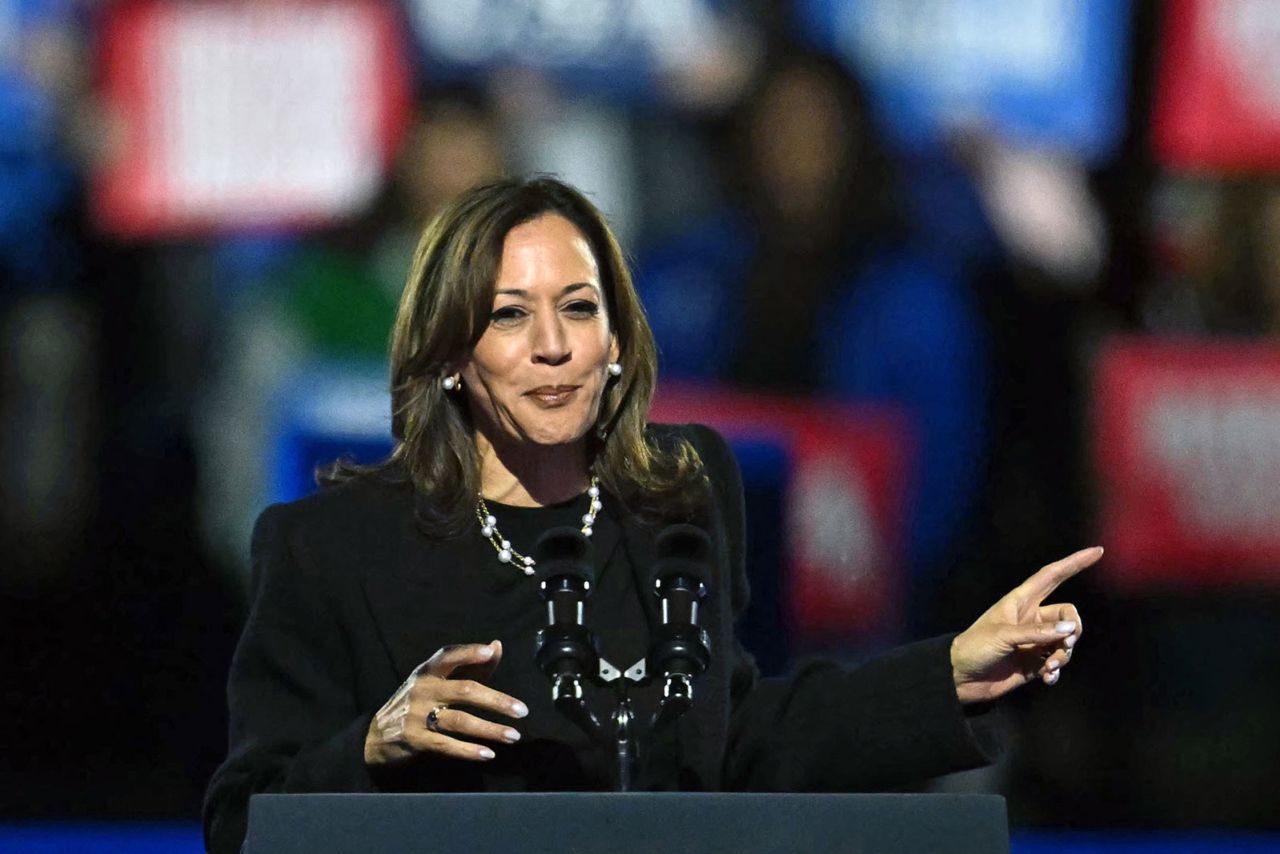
<point x="337" y="623"/>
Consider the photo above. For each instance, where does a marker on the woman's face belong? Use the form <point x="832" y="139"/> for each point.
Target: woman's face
<point x="538" y="372"/>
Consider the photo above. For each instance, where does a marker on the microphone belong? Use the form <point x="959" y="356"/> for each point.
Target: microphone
<point x="566" y="650"/>
<point x="682" y="648"/>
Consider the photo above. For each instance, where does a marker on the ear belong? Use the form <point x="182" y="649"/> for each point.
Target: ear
<point x="615" y="352"/>
<point x="463" y="368"/>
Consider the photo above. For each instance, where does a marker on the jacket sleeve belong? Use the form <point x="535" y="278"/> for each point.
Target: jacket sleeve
<point x="294" y="725"/>
<point x="888" y="722"/>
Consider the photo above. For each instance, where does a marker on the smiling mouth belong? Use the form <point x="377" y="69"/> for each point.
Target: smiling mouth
<point x="552" y="395"/>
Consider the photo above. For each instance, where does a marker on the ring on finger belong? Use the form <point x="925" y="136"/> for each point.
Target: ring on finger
<point x="433" y="717"/>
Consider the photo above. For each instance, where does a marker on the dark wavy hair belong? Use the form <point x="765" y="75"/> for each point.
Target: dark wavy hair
<point x="444" y="310"/>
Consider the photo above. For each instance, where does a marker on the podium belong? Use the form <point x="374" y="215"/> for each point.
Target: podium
<point x="626" y="823"/>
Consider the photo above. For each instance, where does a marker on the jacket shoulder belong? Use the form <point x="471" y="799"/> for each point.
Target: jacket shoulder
<point x="699" y="435"/>
<point x="711" y="447"/>
<point x="350" y="510"/>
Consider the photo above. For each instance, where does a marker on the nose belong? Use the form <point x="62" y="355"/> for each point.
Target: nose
<point x="550" y="344"/>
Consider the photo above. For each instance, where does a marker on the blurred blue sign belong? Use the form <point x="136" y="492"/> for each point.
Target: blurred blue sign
<point x="1037" y="72"/>
<point x="616" y="48"/>
<point x="327" y="411"/>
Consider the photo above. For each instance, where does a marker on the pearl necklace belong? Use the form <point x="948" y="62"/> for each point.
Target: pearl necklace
<point x="506" y="554"/>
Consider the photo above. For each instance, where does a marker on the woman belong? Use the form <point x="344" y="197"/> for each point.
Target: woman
<point x="522" y="370"/>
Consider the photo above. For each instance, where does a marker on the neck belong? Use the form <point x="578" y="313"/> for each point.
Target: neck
<point x="527" y="475"/>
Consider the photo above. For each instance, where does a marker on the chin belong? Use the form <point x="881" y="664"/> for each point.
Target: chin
<point x="555" y="436"/>
<point x="564" y="426"/>
<point x="556" y="431"/>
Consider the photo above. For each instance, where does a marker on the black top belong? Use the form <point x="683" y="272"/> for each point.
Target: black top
<point x="553" y="754"/>
<point x="349" y="596"/>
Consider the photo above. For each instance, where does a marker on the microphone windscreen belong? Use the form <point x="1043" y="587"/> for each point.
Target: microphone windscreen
<point x="563" y="551"/>
<point x="683" y="549"/>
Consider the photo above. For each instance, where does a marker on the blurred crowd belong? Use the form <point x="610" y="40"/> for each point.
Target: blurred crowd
<point x="782" y="242"/>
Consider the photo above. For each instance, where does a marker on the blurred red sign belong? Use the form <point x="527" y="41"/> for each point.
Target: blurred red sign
<point x="847" y="471"/>
<point x="246" y="113"/>
<point x="1187" y="445"/>
<point x="1218" y="103"/>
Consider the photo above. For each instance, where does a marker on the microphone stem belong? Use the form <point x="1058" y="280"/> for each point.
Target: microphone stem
<point x="624" y="742"/>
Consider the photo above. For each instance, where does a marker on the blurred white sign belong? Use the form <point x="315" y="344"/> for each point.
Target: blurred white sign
<point x="561" y="32"/>
<point x="834" y="525"/>
<point x="1187" y="449"/>
<point x="1221" y="445"/>
<point x="1250" y="32"/>
<point x="245" y="114"/>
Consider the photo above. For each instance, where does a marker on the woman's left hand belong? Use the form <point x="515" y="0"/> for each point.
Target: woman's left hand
<point x="1019" y="639"/>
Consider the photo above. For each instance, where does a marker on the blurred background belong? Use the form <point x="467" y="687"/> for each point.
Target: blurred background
<point x="967" y="284"/>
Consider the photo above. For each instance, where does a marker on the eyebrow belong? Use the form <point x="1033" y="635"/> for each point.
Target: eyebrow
<point x="568" y="289"/>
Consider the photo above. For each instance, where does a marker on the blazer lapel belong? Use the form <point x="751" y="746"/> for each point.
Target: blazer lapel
<point x="640" y="542"/>
<point x="401" y="591"/>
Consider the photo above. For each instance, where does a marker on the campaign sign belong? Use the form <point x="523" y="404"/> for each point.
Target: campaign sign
<point x="1047" y="73"/>
<point x="322" y="413"/>
<point x="230" y="115"/>
<point x="843" y="483"/>
<point x="615" y="48"/>
<point x="1218" y="102"/>
<point x="1187" y="446"/>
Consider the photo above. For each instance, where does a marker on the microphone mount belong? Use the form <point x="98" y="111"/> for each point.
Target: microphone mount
<point x="568" y="652"/>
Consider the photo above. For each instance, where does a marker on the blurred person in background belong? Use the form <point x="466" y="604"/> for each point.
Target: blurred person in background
<point x="101" y="575"/>
<point x="328" y="301"/>
<point x="522" y="372"/>
<point x="815" y="255"/>
<point x="1218" y="248"/>
<point x="340" y="293"/>
<point x="45" y="325"/>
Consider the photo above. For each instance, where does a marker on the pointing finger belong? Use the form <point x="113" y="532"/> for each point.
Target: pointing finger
<point x="1039" y="586"/>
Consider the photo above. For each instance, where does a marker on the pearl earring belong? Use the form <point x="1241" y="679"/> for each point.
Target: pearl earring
<point x="451" y="382"/>
<point x="615" y="368"/>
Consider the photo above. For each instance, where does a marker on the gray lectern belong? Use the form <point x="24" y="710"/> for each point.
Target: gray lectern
<point x="625" y="823"/>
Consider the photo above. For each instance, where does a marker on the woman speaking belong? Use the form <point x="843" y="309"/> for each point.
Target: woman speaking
<point x="522" y="368"/>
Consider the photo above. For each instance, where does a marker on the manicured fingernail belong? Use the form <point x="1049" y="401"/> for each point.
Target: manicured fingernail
<point x="486" y="753"/>
<point x="1065" y="627"/>
<point x="1053" y="664"/>
<point x="1070" y="642"/>
<point x="511" y="735"/>
<point x="519" y="709"/>
<point x="485" y="652"/>
<point x="1052" y="678"/>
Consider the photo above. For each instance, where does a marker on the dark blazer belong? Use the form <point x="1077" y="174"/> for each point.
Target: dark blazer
<point x="340" y="616"/>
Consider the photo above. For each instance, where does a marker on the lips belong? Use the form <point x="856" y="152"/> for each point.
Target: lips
<point x="552" y="395"/>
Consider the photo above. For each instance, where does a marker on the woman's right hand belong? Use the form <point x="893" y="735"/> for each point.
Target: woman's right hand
<point x="399" y="730"/>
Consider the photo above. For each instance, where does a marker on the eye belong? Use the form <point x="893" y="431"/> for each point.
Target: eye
<point x="507" y="315"/>
<point x="583" y="308"/>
